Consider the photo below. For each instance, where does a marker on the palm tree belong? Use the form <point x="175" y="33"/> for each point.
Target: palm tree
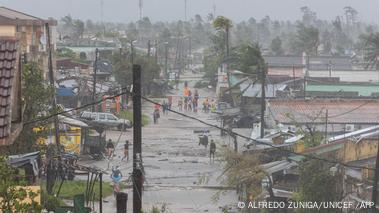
<point x="224" y="24"/>
<point x="371" y="47"/>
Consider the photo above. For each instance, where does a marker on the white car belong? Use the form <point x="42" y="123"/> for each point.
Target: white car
<point x="107" y="119"/>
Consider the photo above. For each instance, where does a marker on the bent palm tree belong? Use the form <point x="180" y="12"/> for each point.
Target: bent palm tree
<point x="371" y="47"/>
<point x="223" y="23"/>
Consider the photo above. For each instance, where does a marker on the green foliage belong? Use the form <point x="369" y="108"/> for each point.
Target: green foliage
<point x="36" y="97"/>
<point x="242" y="169"/>
<point x="247" y="58"/>
<point x="129" y="116"/>
<point x="306" y="40"/>
<point x="66" y="53"/>
<point x="222" y="23"/>
<point x="49" y="202"/>
<point x="371" y="46"/>
<point x="124" y="70"/>
<point x="11" y="196"/>
<point x="316" y="184"/>
<point x="276" y="47"/>
<point x="71" y="188"/>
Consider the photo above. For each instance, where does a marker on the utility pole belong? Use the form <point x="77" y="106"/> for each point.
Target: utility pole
<point x="131" y="52"/>
<point x="52" y="83"/>
<point x="94" y="79"/>
<point x="166" y="60"/>
<point x="326" y="126"/>
<point x="101" y="192"/>
<point x="137" y="140"/>
<point x="374" y="195"/>
<point x="263" y="99"/>
<point x="156" y="51"/>
<point x="148" y="48"/>
<point x="294" y="77"/>
<point x="140" y="4"/>
<point x="305" y="86"/>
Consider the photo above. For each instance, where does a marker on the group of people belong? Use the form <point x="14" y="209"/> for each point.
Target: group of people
<point x="110" y="150"/>
<point x="189" y="101"/>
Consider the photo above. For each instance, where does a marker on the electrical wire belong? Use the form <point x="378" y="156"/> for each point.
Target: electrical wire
<point x="260" y="142"/>
<point x="207" y="124"/>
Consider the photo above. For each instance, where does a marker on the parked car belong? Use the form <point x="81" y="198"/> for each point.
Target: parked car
<point x="107" y="119"/>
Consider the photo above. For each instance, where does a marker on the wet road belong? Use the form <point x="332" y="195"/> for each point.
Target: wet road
<point x="178" y="171"/>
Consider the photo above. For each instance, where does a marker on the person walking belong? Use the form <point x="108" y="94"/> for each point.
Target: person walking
<point x="212" y="151"/>
<point x="110" y="148"/>
<point x="126" y="151"/>
<point x="156" y="113"/>
<point x="164" y="108"/>
<point x="189" y="103"/>
<point x="169" y="101"/>
<point x="180" y="104"/>
<point x="195" y="100"/>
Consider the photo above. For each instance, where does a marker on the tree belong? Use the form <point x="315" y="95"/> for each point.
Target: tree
<point x="306" y="40"/>
<point x="276" y="47"/>
<point x="224" y="24"/>
<point x="247" y="58"/>
<point x="124" y="70"/>
<point x="371" y="47"/>
<point x="317" y="184"/>
<point x="12" y="194"/>
<point x="37" y="97"/>
<point x="242" y="171"/>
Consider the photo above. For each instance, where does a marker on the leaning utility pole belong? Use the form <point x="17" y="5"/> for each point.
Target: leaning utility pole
<point x="51" y="78"/>
<point x="137" y="140"/>
<point x="263" y="99"/>
<point x="94" y="79"/>
<point x="148" y="48"/>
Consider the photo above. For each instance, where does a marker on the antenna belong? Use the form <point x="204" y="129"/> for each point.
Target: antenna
<point x="102" y="11"/>
<point x="185" y="10"/>
<point x="214" y="8"/>
<point x="140" y="9"/>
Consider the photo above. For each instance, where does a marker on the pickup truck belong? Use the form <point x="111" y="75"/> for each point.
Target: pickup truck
<point x="106" y="119"/>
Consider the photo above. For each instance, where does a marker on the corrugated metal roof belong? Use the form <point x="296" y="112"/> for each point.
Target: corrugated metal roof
<point x="340" y="111"/>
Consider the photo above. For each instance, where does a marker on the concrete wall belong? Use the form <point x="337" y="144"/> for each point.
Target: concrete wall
<point x="353" y="151"/>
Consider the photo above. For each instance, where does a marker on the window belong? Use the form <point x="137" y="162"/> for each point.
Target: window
<point x="112" y="117"/>
<point x="101" y="117"/>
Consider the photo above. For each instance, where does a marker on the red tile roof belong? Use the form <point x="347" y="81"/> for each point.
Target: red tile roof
<point x="340" y="111"/>
<point x="8" y="67"/>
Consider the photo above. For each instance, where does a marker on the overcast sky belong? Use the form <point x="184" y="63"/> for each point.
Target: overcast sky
<point x="166" y="10"/>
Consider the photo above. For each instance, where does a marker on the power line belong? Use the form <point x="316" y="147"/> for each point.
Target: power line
<point x="206" y="123"/>
<point x="260" y="142"/>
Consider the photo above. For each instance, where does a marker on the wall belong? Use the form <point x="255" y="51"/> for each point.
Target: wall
<point x="353" y="151"/>
<point x="7" y="30"/>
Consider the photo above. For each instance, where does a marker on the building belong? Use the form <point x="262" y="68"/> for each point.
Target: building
<point x="10" y="91"/>
<point x="332" y="115"/>
<point x="30" y="32"/>
<point x="354" y="90"/>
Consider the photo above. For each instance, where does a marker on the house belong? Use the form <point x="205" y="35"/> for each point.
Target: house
<point x="30" y="32"/>
<point x="10" y="91"/>
<point x="340" y="67"/>
<point x="355" y="90"/>
<point x="331" y="115"/>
